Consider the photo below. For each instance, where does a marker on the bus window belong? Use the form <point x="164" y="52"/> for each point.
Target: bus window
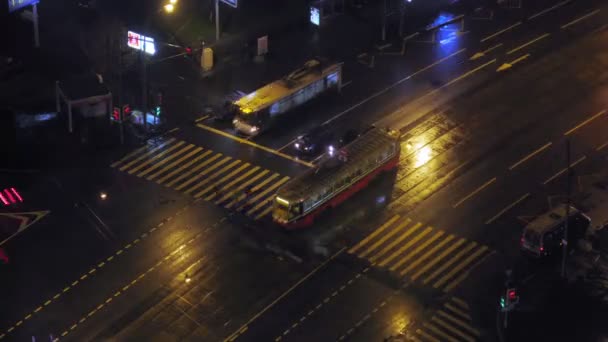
<point x="332" y="79"/>
<point x="531" y="237"/>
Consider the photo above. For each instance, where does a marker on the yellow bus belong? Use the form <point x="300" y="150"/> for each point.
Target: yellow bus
<point x="256" y="111"/>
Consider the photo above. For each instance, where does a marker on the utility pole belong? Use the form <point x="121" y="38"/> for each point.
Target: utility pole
<point x="401" y="18"/>
<point x="35" y="19"/>
<point x="120" y="101"/>
<point x="565" y="239"/>
<point x="144" y="86"/>
<point x="384" y="20"/>
<point x="217" y="20"/>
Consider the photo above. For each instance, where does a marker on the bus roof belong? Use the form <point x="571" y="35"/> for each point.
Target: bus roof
<point x="273" y="92"/>
<point x="549" y="219"/>
<point x="327" y="171"/>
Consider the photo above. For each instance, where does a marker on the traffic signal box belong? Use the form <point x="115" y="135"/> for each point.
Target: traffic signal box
<point x="509" y="299"/>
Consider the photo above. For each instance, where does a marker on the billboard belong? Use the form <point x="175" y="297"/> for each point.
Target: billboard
<point x="141" y="42"/>
<point x="231" y="3"/>
<point x="14" y="5"/>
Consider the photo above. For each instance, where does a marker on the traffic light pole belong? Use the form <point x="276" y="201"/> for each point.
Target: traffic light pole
<point x="144" y="87"/>
<point x="565" y="240"/>
<point x="35" y="20"/>
<point x="217" y="20"/>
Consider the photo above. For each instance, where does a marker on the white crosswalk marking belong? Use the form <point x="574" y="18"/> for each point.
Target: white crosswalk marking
<point x="205" y="174"/>
<point x="445" y="325"/>
<point x="420" y="254"/>
<point x="150" y="152"/>
<point x="175" y="163"/>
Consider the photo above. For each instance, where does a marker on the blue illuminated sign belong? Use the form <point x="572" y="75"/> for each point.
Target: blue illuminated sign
<point x="14" y="5"/>
<point x="231" y="3"/>
<point x="315" y="16"/>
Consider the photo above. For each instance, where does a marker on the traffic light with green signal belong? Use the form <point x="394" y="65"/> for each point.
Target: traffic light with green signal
<point x="157" y="111"/>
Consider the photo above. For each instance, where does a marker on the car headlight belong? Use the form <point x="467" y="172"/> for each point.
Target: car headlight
<point x="235" y="121"/>
<point x="253" y="129"/>
<point x="297" y="145"/>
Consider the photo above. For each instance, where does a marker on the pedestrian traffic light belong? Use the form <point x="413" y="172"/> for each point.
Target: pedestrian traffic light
<point x="157" y="111"/>
<point x="126" y="111"/>
<point x="512" y="294"/>
<point x="116" y="114"/>
<point x="503" y="302"/>
<point x="188" y="51"/>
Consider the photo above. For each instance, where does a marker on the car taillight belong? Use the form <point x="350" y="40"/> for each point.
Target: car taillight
<point x="541" y="248"/>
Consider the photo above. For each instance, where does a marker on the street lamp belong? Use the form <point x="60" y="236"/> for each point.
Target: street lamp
<point x="173" y="2"/>
<point x="169" y="8"/>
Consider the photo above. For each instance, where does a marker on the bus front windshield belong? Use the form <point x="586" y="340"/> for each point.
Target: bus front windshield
<point x="248" y="118"/>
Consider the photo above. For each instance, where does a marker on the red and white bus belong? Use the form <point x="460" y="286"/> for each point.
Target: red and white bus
<point x="336" y="177"/>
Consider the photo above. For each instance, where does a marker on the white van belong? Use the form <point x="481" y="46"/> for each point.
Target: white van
<point x="543" y="236"/>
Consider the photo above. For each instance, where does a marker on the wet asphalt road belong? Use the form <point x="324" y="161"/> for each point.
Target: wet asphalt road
<point x="118" y="268"/>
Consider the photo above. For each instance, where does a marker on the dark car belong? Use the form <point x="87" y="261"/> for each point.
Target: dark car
<point x="315" y="141"/>
<point x="227" y="110"/>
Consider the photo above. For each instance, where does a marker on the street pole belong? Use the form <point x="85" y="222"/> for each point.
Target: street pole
<point x="565" y="240"/>
<point x="217" y="20"/>
<point x="144" y="86"/>
<point x="35" y="20"/>
<point x="384" y="21"/>
<point x="120" y="106"/>
<point x="401" y="19"/>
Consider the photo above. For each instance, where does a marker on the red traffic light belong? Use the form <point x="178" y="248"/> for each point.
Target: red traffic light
<point x="189" y="51"/>
<point x="126" y="110"/>
<point x="512" y="294"/>
<point x="116" y="114"/>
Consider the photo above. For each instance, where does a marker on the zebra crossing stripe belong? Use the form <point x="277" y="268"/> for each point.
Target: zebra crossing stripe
<point x="188" y="164"/>
<point x="166" y="168"/>
<point x="202" y="173"/>
<point x="438" y="332"/>
<point x="155" y="157"/>
<point x="269" y="189"/>
<point x="241" y="187"/>
<point x="459" y="322"/>
<point x="430" y="252"/>
<point x="443" y="254"/>
<point x="213" y="175"/>
<point x="417" y="250"/>
<point x="373" y="234"/>
<point x="232" y="182"/>
<point x="384" y="238"/>
<point x="427" y="336"/>
<point x="461" y="265"/>
<point x="452" y="329"/>
<point x="263" y="213"/>
<point x="253" y="190"/>
<point x="458" y="311"/>
<point x="116" y="163"/>
<point x="222" y="180"/>
<point x="150" y="152"/>
<point x="165" y="160"/>
<point x="395" y="242"/>
<point x="450" y="262"/>
<point x="406" y="246"/>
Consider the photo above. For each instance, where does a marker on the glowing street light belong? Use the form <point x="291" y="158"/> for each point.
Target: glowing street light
<point x="173" y="1"/>
<point x="169" y="8"/>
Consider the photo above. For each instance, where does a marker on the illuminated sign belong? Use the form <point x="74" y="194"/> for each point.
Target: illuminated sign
<point x="231" y="3"/>
<point x="315" y="16"/>
<point x="14" y="5"/>
<point x="140" y="42"/>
